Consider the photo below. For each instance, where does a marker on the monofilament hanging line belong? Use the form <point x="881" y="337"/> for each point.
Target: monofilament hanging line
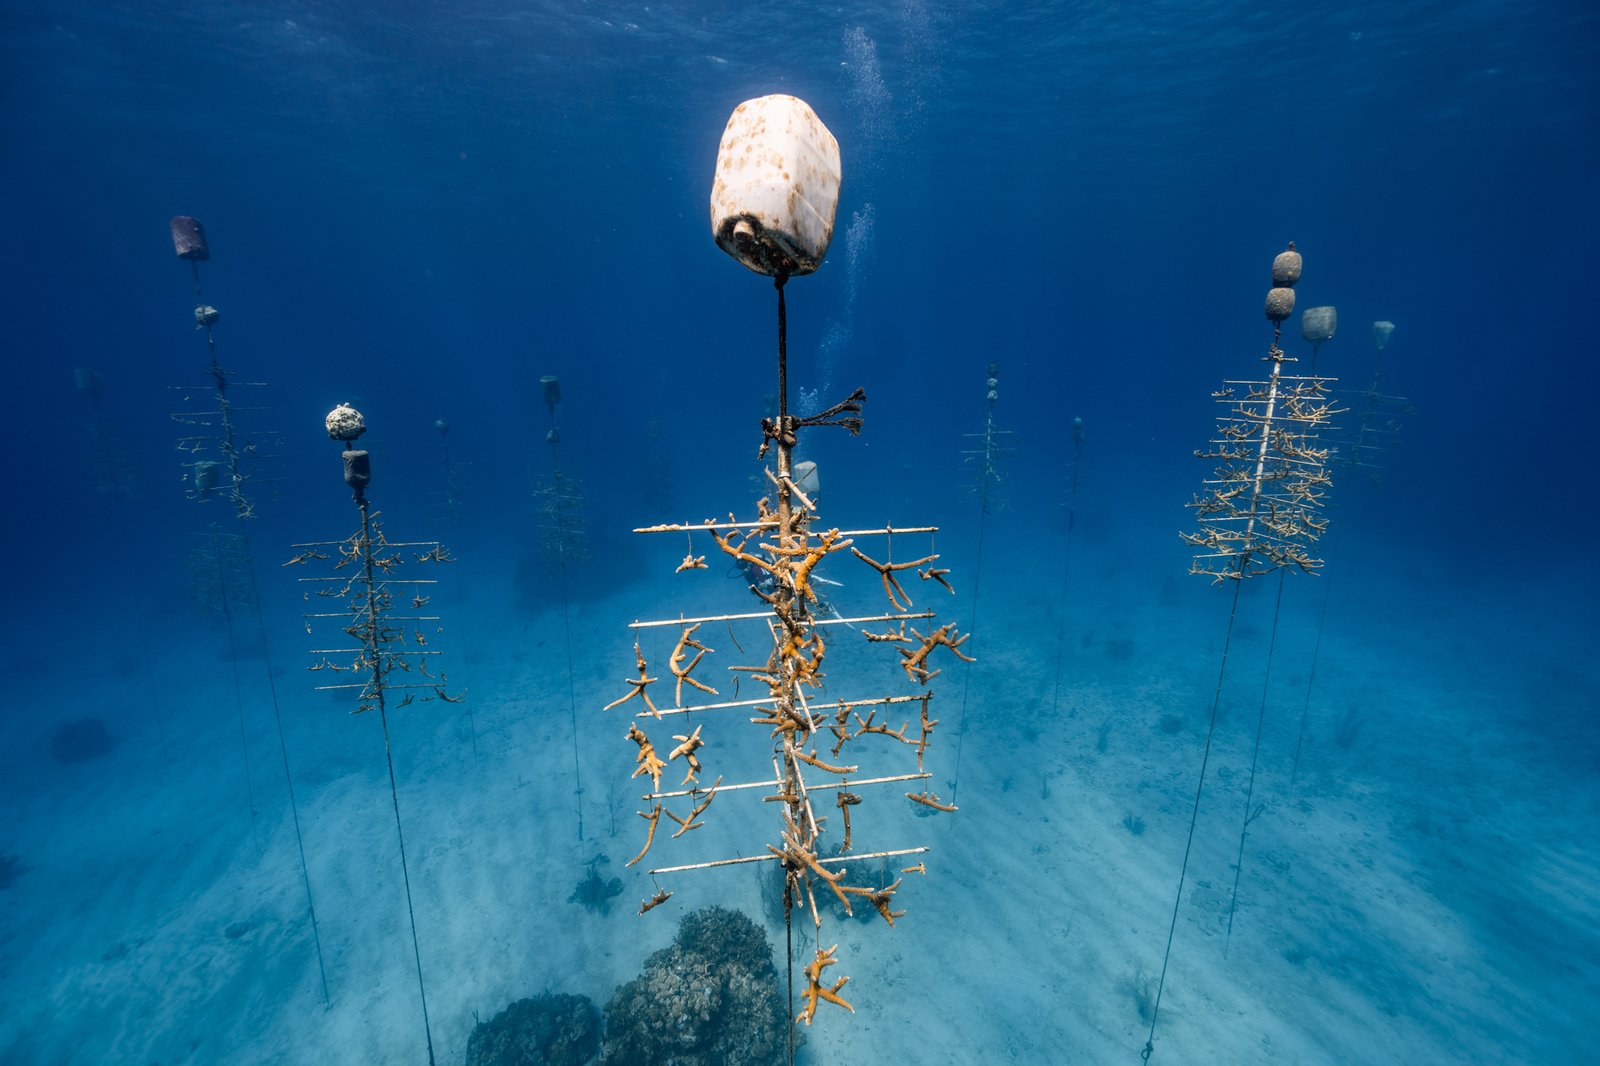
<point x="283" y="750"/>
<point x="370" y="625"/>
<point x="566" y="628"/>
<point x="1311" y="677"/>
<point x="1278" y="472"/>
<point x="230" y="451"/>
<point x="562" y="530"/>
<point x="966" y="675"/>
<point x="572" y="700"/>
<point x="193" y="248"/>
<point x="238" y="689"/>
<point x="988" y="473"/>
<point x="451" y="505"/>
<point x="1317" y="336"/>
<point x="1194" y="815"/>
<point x="283" y="747"/>
<point x="1255" y="756"/>
<point x="294" y="811"/>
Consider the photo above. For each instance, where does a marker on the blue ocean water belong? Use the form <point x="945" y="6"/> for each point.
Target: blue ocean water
<point x="424" y="209"/>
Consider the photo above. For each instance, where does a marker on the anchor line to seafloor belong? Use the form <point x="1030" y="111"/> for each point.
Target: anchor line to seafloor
<point x="1194" y="813"/>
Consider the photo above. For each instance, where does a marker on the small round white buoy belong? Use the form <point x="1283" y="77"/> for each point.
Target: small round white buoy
<point x="345" y="423"/>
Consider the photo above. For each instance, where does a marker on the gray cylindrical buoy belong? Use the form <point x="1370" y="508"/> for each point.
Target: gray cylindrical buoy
<point x="207" y="477"/>
<point x="1317" y="324"/>
<point x="1286" y="268"/>
<point x="552" y="390"/>
<point x="1380" y="334"/>
<point x="358" y="469"/>
<point x="1280" y="303"/>
<point x="345" y="423"/>
<point x="442" y="426"/>
<point x="1077" y="430"/>
<point x="189" y="239"/>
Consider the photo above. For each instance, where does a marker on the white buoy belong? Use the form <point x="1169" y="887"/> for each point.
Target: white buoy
<point x="1380" y="334"/>
<point x="345" y="423"/>
<point x="806" y="478"/>
<point x="207" y="477"/>
<point x="776" y="188"/>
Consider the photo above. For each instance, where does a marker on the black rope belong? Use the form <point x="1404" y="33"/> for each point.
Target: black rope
<point x="294" y="805"/>
<point x="1255" y="755"/>
<point x="788" y="955"/>
<point x="232" y="454"/>
<point x="394" y="789"/>
<point x="238" y="692"/>
<point x="572" y="696"/>
<point x="783" y="433"/>
<point x="783" y="352"/>
<point x="1194" y="815"/>
<point x="241" y="512"/>
<point x="561" y="533"/>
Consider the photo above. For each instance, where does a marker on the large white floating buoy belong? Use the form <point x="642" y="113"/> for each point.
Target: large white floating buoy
<point x="776" y="188"/>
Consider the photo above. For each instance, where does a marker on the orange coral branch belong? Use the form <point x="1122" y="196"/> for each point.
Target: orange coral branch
<point x="653" y="818"/>
<point x="815" y="993"/>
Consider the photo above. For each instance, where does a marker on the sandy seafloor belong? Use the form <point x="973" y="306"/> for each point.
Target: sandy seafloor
<point x="1423" y="894"/>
